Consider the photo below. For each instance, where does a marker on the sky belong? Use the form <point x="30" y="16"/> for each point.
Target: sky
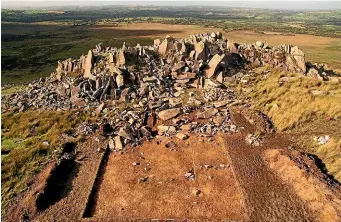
<point x="275" y="4"/>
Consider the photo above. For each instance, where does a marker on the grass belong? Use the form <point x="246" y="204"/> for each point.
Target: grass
<point x="13" y="89"/>
<point x="23" y="153"/>
<point x="330" y="153"/>
<point x="291" y="104"/>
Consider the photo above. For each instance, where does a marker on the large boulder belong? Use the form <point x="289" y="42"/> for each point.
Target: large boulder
<point x="59" y="70"/>
<point x="120" y="58"/>
<point x="200" y="50"/>
<point x="165" y="47"/>
<point x="299" y="56"/>
<point x="217" y="63"/>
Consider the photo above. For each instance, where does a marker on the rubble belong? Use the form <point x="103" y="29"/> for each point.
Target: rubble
<point x="190" y="175"/>
<point x="253" y="140"/>
<point x="102" y="83"/>
<point x="322" y="139"/>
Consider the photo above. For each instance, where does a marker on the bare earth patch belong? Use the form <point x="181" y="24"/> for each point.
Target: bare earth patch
<point x="166" y="193"/>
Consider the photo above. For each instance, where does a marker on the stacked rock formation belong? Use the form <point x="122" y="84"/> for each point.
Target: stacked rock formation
<point x="156" y="82"/>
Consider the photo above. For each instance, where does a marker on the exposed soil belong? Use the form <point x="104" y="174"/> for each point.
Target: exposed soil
<point x="167" y="194"/>
<point x="320" y="194"/>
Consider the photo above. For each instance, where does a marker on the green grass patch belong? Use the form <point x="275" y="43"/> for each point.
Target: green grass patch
<point x="13" y="89"/>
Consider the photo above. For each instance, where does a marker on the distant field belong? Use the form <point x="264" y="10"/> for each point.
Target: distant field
<point x="317" y="48"/>
<point x="154" y="30"/>
<point x="31" y="50"/>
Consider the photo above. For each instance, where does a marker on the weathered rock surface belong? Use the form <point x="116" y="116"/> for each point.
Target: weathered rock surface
<point x="169" y="113"/>
<point x="88" y="64"/>
<point x="207" y="113"/>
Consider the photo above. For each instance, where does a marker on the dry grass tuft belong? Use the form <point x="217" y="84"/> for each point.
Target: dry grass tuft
<point x="330" y="153"/>
<point x="292" y="104"/>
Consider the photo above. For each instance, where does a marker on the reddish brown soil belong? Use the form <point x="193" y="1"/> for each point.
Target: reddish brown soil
<point x="167" y="194"/>
<point x="267" y="197"/>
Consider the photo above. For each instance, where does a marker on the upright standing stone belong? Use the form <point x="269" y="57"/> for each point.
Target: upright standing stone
<point x="88" y="64"/>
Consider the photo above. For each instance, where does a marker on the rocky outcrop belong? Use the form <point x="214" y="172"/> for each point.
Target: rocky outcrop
<point x="166" y="70"/>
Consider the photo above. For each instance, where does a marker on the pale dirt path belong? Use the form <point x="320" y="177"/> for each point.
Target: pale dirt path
<point x="267" y="197"/>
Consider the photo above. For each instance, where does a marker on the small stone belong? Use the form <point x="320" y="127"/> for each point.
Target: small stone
<point x="185" y="127"/>
<point x="111" y="144"/>
<point x="45" y="143"/>
<point x="100" y="108"/>
<point x="196" y="192"/>
<point x="142" y="179"/>
<point x="169" y="129"/>
<point x="190" y="175"/>
<point x="136" y="164"/>
<point x="223" y="166"/>
<point x="118" y="143"/>
<point x="126" y="133"/>
<point x="181" y="136"/>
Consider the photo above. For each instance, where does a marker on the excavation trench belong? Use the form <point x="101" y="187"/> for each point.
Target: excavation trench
<point x="92" y="200"/>
<point x="59" y="182"/>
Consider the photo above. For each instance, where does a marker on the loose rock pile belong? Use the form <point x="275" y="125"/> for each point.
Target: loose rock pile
<point x="168" y="81"/>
